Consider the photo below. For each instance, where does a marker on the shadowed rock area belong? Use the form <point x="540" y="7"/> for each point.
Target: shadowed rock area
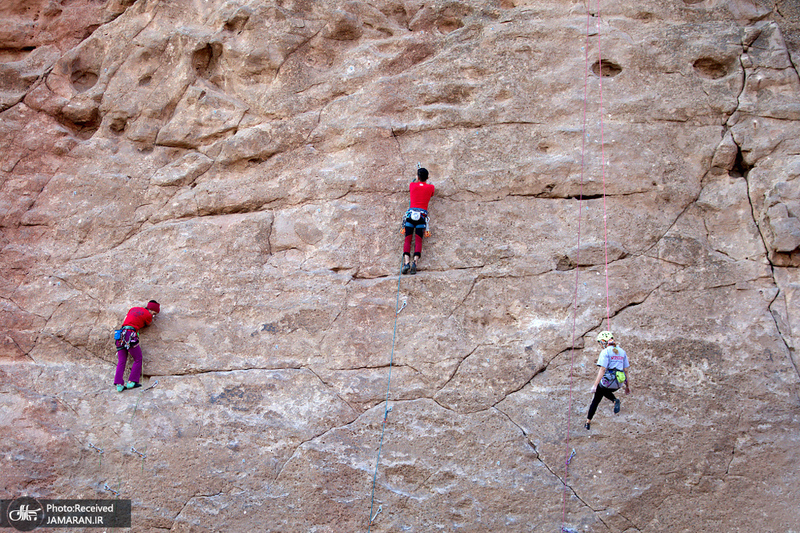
<point x="630" y="165"/>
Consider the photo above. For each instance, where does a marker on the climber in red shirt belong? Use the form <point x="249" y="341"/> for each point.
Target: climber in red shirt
<point x="415" y="221"/>
<point x="127" y="341"/>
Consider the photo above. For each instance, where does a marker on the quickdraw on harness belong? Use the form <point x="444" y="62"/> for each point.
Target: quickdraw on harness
<point x="613" y="378"/>
<point x="416" y="217"/>
<point x="126" y="337"/>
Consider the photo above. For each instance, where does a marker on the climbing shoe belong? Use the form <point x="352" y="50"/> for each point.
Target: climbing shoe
<point x="406" y="267"/>
<point x="587" y="425"/>
<point x="413" y="268"/>
<point x="120" y="388"/>
<point x="132" y="385"/>
<point x="616" y="406"/>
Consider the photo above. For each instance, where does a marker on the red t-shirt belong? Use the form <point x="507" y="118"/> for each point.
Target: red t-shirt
<point x="138" y="317"/>
<point x="420" y="194"/>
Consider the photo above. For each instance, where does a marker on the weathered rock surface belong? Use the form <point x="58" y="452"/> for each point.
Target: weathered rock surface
<point x="245" y="163"/>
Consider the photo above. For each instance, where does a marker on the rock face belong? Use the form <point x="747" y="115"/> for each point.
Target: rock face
<point x="630" y="165"/>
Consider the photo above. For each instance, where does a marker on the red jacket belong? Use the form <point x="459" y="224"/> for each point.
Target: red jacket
<point x="138" y="317"/>
<point x="420" y="194"/>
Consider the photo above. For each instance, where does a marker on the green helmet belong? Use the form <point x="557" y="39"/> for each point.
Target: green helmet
<point x="605" y="336"/>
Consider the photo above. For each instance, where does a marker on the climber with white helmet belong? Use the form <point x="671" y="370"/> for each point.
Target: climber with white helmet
<point x="613" y="363"/>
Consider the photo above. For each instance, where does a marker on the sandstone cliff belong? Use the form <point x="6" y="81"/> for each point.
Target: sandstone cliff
<point x="246" y="164"/>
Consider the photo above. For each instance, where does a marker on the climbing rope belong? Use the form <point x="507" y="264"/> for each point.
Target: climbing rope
<point x="386" y="408"/>
<point x="603" y="166"/>
<point x="141" y="393"/>
<point x="570" y="452"/>
<point x="142" y="455"/>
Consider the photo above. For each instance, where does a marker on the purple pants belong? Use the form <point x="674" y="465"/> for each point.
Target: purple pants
<point x="128" y="345"/>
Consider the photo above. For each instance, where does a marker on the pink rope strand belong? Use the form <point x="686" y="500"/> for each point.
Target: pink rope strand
<point x="603" y="167"/>
<point x="568" y="453"/>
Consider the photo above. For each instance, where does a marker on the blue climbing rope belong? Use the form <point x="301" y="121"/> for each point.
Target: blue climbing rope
<point x="386" y="409"/>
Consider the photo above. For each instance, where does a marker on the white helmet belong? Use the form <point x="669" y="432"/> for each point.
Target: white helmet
<point x="605" y="336"/>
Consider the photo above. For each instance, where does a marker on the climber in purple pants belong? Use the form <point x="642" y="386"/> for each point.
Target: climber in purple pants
<point x="127" y="343"/>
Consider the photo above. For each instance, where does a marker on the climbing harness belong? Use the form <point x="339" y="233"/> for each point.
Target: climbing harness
<point x="411" y="220"/>
<point x="386" y="409"/>
<point x="126" y="337"/>
<point x="612" y="379"/>
<point x="415" y="216"/>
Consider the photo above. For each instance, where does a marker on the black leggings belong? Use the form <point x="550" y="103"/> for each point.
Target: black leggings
<point x="598" y="395"/>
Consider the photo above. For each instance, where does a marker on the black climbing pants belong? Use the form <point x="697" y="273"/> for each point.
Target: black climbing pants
<point x="599" y="393"/>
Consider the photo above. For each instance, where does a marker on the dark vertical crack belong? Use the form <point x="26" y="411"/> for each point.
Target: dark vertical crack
<point x="547" y="467"/>
<point x="332" y="388"/>
<point x="790" y="351"/>
<point x="458" y="367"/>
<point x="741" y="168"/>
<point x="733" y="448"/>
<point x="744" y="170"/>
<point x="464" y="299"/>
<point x="188" y="501"/>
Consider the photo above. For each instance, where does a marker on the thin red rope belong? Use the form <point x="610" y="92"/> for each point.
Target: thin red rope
<point x="568" y="452"/>
<point x="603" y="167"/>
